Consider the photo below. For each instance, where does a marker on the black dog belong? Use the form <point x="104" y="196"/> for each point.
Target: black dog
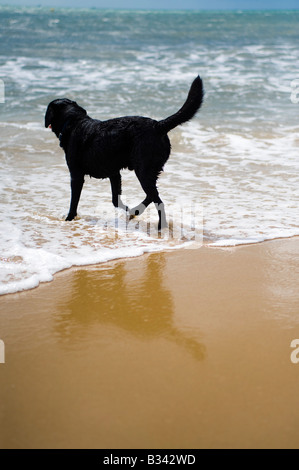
<point x="102" y="148"/>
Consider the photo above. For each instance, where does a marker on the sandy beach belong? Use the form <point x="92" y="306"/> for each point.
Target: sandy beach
<point x="182" y="349"/>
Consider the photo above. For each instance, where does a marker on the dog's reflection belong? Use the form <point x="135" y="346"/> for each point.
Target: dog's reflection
<point x="128" y="297"/>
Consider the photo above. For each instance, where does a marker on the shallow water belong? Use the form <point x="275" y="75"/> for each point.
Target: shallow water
<point x="232" y="177"/>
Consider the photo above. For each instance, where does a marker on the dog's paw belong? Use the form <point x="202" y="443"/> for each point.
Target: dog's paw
<point x="70" y="217"/>
<point x="133" y="213"/>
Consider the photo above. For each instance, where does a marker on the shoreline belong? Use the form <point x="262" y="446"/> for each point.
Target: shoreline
<point x="177" y="349"/>
<point x="163" y="250"/>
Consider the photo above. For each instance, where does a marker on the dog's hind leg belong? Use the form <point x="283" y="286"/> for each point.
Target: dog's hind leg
<point x="149" y="186"/>
<point x="115" y="181"/>
<point x="161" y="211"/>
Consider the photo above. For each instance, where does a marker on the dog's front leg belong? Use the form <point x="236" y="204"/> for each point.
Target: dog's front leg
<point x="76" y="188"/>
<point x="115" y="181"/>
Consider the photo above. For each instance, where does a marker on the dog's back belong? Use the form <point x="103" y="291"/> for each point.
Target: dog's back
<point x="103" y="147"/>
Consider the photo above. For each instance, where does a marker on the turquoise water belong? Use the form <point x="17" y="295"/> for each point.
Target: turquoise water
<point x="237" y="160"/>
<point x="137" y="59"/>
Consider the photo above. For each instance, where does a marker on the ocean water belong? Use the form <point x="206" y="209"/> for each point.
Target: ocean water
<point x="232" y="177"/>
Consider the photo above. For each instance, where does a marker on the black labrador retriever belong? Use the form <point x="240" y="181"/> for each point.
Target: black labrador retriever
<point x="102" y="148"/>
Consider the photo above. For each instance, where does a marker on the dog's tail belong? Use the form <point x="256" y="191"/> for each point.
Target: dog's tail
<point x="187" y="111"/>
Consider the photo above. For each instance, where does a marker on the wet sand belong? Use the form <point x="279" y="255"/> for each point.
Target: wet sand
<point x="184" y="349"/>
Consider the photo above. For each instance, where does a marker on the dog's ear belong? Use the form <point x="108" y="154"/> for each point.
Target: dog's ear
<point x="59" y="111"/>
<point x="48" y="116"/>
<point x="79" y="108"/>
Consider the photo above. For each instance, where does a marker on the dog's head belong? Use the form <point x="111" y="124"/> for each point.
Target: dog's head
<point x="60" y="111"/>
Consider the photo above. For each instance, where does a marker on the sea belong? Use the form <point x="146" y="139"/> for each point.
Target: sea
<point x="233" y="173"/>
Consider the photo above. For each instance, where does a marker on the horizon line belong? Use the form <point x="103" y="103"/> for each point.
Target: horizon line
<point x="61" y="7"/>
